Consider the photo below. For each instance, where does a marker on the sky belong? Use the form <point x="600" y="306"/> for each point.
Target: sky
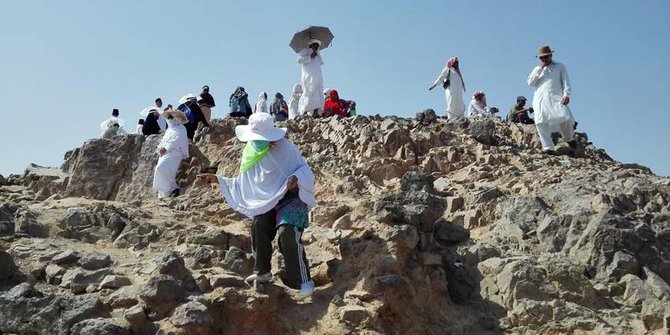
<point x="64" y="65"/>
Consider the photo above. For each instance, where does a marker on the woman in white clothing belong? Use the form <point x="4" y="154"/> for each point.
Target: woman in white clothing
<point x="454" y="86"/>
<point x="262" y="103"/>
<point x="293" y="102"/>
<point x="275" y="188"/>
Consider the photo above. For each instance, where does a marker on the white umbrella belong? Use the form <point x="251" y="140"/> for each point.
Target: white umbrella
<point x="148" y="110"/>
<point x="187" y="97"/>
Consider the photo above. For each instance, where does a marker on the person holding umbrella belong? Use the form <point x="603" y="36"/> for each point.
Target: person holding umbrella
<point x="311" y="78"/>
<point x="308" y="43"/>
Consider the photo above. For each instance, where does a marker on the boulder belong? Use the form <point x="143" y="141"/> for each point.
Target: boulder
<point x="193" y="317"/>
<point x="238" y="261"/>
<point x="99" y="326"/>
<point x="64" y="312"/>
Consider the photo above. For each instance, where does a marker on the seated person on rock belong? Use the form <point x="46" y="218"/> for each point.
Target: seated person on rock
<point x="519" y="113"/>
<point x="477" y="107"/>
<point x="334" y="105"/>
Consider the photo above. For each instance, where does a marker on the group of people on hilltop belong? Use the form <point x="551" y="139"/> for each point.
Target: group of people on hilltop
<point x="306" y="96"/>
<point x="550" y="101"/>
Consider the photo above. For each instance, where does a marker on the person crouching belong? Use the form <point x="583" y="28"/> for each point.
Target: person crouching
<point x="275" y="189"/>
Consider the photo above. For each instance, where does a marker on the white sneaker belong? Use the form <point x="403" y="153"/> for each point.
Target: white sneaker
<point x="306" y="289"/>
<point x="264" y="278"/>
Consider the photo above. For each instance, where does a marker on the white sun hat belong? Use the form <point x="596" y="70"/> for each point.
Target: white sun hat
<point x="261" y="127"/>
<point x="187" y="97"/>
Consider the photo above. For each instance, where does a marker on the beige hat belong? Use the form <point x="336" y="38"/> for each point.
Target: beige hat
<point x="177" y="114"/>
<point x="544" y="51"/>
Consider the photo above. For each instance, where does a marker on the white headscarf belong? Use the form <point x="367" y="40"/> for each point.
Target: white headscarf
<point x="262" y="103"/>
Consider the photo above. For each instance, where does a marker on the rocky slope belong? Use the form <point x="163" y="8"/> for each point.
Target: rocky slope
<point x="423" y="227"/>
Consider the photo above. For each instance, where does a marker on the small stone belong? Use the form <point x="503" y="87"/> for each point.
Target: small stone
<point x="227" y="280"/>
<point x="94" y="261"/>
<point x="192" y="313"/>
<point x="353" y="314"/>
<point x="53" y="273"/>
<point x="114" y="282"/>
<point x="454" y="204"/>
<point x="66" y="257"/>
<point x="136" y="317"/>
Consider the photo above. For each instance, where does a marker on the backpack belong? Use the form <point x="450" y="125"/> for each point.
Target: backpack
<point x="189" y="114"/>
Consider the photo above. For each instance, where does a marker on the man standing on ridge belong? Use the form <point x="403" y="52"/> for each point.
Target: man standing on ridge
<point x="454" y="86"/>
<point x="206" y="103"/>
<point x="550" y="101"/>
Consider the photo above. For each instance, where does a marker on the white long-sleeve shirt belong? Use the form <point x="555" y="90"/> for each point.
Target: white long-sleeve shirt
<point x="551" y="84"/>
<point x="259" y="189"/>
<point x="552" y="78"/>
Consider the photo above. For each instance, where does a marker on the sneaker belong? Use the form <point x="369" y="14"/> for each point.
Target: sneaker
<point x="306" y="289"/>
<point x="174" y="193"/>
<point x="549" y="152"/>
<point x="264" y="278"/>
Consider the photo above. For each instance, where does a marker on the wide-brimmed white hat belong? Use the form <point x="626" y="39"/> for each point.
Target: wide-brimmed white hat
<point x="187" y="97"/>
<point x="261" y="127"/>
<point x="177" y="114"/>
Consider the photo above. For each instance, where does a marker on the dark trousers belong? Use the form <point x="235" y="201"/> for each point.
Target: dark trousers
<point x="263" y="231"/>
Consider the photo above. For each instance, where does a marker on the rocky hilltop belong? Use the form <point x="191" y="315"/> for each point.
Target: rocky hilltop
<point x="423" y="227"/>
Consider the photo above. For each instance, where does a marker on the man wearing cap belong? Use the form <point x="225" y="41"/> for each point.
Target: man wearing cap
<point x="172" y="149"/>
<point x="311" y="79"/>
<point x="519" y="113"/>
<point x="551" y="97"/>
<point x="206" y="103"/>
<point x="275" y="188"/>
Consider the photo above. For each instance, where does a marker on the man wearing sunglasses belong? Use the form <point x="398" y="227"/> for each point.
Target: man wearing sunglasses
<point x="552" y="95"/>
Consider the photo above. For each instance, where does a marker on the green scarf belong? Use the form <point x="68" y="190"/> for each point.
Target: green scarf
<point x="253" y="152"/>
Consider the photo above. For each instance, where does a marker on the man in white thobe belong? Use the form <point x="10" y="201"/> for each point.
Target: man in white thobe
<point x="311" y="79"/>
<point x="552" y="91"/>
<point x="172" y="149"/>
<point x="454" y="91"/>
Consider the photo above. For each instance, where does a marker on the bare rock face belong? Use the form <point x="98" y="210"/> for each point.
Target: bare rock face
<point x="423" y="227"/>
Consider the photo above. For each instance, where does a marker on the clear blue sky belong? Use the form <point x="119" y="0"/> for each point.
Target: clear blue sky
<point x="65" y="64"/>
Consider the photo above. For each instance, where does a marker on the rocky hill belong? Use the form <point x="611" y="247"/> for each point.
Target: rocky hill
<point x="423" y="227"/>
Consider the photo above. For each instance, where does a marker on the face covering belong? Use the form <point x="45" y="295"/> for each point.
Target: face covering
<point x="172" y="122"/>
<point x="259" y="145"/>
<point x="253" y="152"/>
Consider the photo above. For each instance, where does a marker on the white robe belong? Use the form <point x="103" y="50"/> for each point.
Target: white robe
<point x="259" y="189"/>
<point x="109" y="122"/>
<point x="311" y="80"/>
<point x="261" y="104"/>
<point x="453" y="93"/>
<point x="293" y="102"/>
<point x="138" y="130"/>
<point x="551" y="84"/>
<point x="476" y="110"/>
<point x="175" y="143"/>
